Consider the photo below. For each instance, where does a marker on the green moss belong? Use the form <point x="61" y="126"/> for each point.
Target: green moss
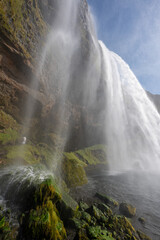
<point x="9" y="136"/>
<point x="74" y="174"/>
<point x="71" y="156"/>
<point x="44" y="222"/>
<point x="47" y="191"/>
<point x="5" y="230"/>
<point x="98" y="233"/>
<point x="105" y="209"/>
<point x="30" y="154"/>
<point x="86" y="217"/>
<point x="103" y="224"/>
<point x="93" y="155"/>
<point x="74" y="162"/>
<point x="95" y="212"/>
<point x="121" y="226"/>
<point x="20" y="21"/>
<point x="24" y="153"/>
<point x="7" y="121"/>
<point x="83" y="206"/>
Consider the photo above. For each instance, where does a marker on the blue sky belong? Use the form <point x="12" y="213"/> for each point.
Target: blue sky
<point x="131" y="28"/>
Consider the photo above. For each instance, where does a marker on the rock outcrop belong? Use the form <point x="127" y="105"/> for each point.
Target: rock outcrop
<point x="23" y="30"/>
<point x="155" y="98"/>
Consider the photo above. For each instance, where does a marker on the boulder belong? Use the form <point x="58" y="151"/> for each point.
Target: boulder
<point x="142" y="235"/>
<point x="141" y="220"/>
<point x="107" y="200"/>
<point x="127" y="210"/>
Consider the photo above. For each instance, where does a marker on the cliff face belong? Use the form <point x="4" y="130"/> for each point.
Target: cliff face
<point x="23" y="30"/>
<point x="155" y="98"/>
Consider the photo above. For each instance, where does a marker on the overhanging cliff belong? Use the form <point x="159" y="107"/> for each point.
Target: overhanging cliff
<point x="23" y="31"/>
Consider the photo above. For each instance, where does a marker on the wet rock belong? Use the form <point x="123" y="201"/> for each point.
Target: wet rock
<point x="76" y="223"/>
<point x="142" y="235"/>
<point x="95" y="212"/>
<point x="83" y="206"/>
<point x="98" y="233"/>
<point x="106" y="199"/>
<point x="42" y="221"/>
<point x="127" y="210"/>
<point x="86" y="217"/>
<point x="105" y="209"/>
<point x="73" y="172"/>
<point x="81" y="235"/>
<point x="67" y="207"/>
<point x="141" y="220"/>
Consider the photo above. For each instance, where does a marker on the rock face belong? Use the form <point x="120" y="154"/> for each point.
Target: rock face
<point x="155" y="98"/>
<point x="23" y="30"/>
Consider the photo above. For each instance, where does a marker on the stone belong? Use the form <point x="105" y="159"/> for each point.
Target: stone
<point x="127" y="210"/>
<point x="95" y="212"/>
<point x="83" y="206"/>
<point x="98" y="233"/>
<point x="141" y="220"/>
<point x="106" y="199"/>
<point x="105" y="209"/>
<point x="73" y="172"/>
<point x="86" y="217"/>
<point x="142" y="235"/>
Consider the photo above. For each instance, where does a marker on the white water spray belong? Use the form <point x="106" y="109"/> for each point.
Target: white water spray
<point x="132" y="121"/>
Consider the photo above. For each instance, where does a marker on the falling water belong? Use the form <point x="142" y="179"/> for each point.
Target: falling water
<point x="65" y="78"/>
<point x="132" y="121"/>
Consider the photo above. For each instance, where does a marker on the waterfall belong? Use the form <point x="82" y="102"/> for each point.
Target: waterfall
<point x="132" y="121"/>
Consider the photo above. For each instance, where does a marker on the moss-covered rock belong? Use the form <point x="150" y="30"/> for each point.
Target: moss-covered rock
<point x="8" y="136"/>
<point x="7" y="232"/>
<point x="102" y="224"/>
<point x="83" y="206"/>
<point x="77" y="224"/>
<point x="24" y="34"/>
<point x="74" y="162"/>
<point x="7" y="121"/>
<point x="9" y="129"/>
<point x="106" y="199"/>
<point x="30" y="154"/>
<point x="44" y="222"/>
<point x="142" y="235"/>
<point x="67" y="207"/>
<point x="74" y="173"/>
<point x="93" y="155"/>
<point x="86" y="217"/>
<point x="127" y="210"/>
<point x="99" y="233"/>
<point x="95" y="212"/>
<point x="142" y="220"/>
<point x="105" y="209"/>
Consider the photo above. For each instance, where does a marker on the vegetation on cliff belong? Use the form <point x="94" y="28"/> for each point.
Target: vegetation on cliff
<point x="25" y="35"/>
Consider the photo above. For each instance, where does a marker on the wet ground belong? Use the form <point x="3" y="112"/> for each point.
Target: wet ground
<point x="141" y="189"/>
